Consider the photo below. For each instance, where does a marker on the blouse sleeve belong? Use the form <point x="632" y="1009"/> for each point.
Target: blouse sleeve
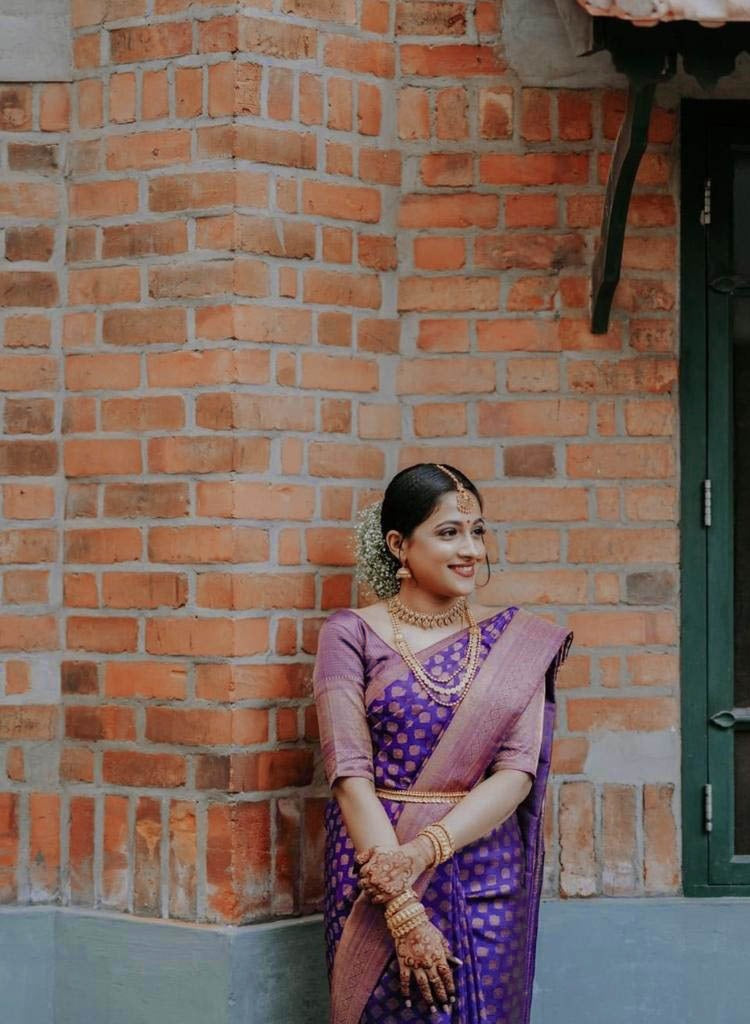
<point x="520" y="748"/>
<point x="339" y="691"/>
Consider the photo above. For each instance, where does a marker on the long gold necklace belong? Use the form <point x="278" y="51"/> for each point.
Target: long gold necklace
<point x="439" y="689"/>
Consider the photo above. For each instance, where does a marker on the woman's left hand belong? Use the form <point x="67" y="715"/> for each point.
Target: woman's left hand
<point x="384" y="873"/>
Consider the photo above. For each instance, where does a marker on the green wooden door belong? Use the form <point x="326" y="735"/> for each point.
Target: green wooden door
<point x="715" y="412"/>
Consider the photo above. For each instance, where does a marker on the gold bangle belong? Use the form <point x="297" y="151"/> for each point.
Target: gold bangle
<point x="404" y="929"/>
<point x="436" y="851"/>
<point x="448" y="838"/>
<point x="442" y="842"/>
<point x="404" y="915"/>
<point x="439" y="844"/>
<point x="399" y="901"/>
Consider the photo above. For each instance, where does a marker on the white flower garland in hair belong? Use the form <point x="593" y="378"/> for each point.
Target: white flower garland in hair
<point x="375" y="564"/>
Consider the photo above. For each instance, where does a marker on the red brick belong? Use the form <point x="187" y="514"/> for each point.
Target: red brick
<point x="344" y="460"/>
<point x="360" y="55"/>
<point x="413" y="113"/>
<point x="141" y="770"/>
<point x="536" y="503"/>
<point x="620" y="854"/>
<point x="447" y="169"/>
<point x="461" y="210"/>
<point x="322" y="199"/>
<point x="146" y="150"/>
<point x="154" y="95"/>
<point x="622" y="545"/>
<point x="536" y="105"/>
<point x="99" y="723"/>
<point x="537" y="417"/>
<point x="109" y="634"/>
<point x="624" y="629"/>
<point x="420" y="18"/>
<point x="209" y="367"/>
<point x="275" y="146"/>
<point x="327" y="287"/>
<point x="443" y="335"/>
<point x="15" y="108"/>
<point x="451" y="110"/>
<point x="103" y="286"/>
<point x="270" y="769"/>
<point x="277" y="38"/>
<point x="44" y="846"/>
<point x="28" y="722"/>
<point x="444" y="376"/>
<point x="183" y="855"/>
<point x="103" y="198"/>
<point x="577" y="838"/>
<point x="574" y="115"/>
<point x="616" y="461"/>
<point x="380" y="166"/>
<point x="445" y="294"/>
<point x="81" y="850"/>
<point x="208" y="637"/>
<point x="28" y="288"/>
<point x="534" y="169"/>
<point x="230" y="682"/>
<point x="154" y="42"/>
<point x="29" y="243"/>
<point x="269" y="501"/>
<point x="54" y="107"/>
<point x="450" y="60"/>
<point x="661" y="868"/>
<point x="436" y="253"/>
<point x="149" y="680"/>
<point x="238" y="885"/>
<point x="115" y="856"/>
<point x="24" y="199"/>
<point x="144" y="326"/>
<point x="147" y="867"/>
<point x="533" y="210"/>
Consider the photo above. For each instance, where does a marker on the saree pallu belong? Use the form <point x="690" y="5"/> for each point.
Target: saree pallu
<point x="377" y="722"/>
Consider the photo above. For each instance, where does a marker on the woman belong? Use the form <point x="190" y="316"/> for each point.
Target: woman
<point x="436" y="741"/>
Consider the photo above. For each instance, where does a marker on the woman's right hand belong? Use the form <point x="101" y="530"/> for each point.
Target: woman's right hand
<point x="424" y="952"/>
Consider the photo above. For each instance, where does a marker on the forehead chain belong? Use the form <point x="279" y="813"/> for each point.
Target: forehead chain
<point x="463" y="499"/>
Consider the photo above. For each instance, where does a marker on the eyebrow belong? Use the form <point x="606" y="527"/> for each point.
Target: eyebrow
<point x="458" y="522"/>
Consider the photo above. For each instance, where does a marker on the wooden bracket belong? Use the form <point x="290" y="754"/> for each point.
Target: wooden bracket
<point x="626" y="159"/>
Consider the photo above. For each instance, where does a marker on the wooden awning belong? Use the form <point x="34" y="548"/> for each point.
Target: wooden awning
<point x="645" y="13"/>
<point x="645" y="38"/>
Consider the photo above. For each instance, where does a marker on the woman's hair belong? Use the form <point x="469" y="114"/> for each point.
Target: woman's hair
<point x="413" y="495"/>
<point x="410" y="498"/>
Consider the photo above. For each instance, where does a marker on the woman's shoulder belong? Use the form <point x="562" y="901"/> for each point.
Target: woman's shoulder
<point x="346" y="620"/>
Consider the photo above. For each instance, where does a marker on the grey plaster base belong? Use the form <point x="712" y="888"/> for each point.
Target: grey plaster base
<point x="626" y="961"/>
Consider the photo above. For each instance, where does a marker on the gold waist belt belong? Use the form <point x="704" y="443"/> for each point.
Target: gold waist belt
<point x="423" y="796"/>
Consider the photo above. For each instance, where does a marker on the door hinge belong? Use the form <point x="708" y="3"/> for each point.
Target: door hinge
<point x="708" y="808"/>
<point x="706" y="502"/>
<point x="705" y="217"/>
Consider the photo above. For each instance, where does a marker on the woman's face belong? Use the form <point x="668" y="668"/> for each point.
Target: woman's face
<point x="437" y="549"/>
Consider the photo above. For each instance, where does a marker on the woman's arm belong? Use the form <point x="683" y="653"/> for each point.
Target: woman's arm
<point x="485" y="807"/>
<point x="363" y="813"/>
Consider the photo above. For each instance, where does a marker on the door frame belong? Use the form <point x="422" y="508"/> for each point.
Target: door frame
<point x="694" y="378"/>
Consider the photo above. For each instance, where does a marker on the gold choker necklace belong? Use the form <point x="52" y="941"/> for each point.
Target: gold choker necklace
<point x="425" y="620"/>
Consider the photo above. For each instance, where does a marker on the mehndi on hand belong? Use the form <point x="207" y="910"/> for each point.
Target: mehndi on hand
<point x="385" y="874"/>
<point x="424" y="952"/>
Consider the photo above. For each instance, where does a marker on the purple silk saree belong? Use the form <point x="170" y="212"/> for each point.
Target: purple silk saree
<point x="376" y="722"/>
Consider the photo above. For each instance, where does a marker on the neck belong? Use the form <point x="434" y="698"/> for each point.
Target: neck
<point x="425" y="603"/>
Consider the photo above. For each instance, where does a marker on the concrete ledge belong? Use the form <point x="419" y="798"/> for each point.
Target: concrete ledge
<point x="625" y="961"/>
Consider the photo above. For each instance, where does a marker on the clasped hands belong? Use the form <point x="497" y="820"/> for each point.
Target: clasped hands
<point x="423" y="951"/>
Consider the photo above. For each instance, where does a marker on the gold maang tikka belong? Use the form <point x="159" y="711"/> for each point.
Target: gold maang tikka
<point x="464" y="503"/>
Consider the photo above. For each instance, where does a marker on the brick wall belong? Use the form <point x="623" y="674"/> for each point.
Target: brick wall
<point x="257" y="259"/>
